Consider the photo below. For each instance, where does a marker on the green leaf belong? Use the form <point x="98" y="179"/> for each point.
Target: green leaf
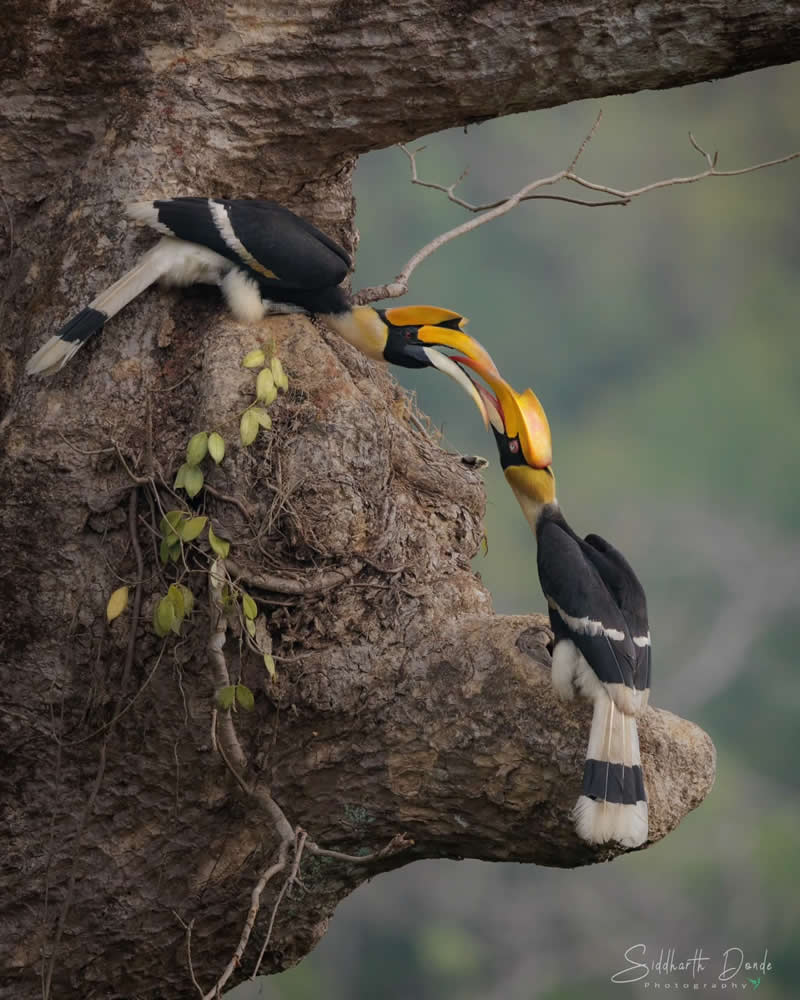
<point x="171" y="526"/>
<point x="265" y="386"/>
<point x="255" y="359"/>
<point x="197" y="448"/>
<point x="118" y="602"/>
<point x="171" y="522"/>
<point x="180" y="478"/>
<point x="163" y="616"/>
<point x="190" y="529"/>
<point x="219" y="545"/>
<point x="261" y="415"/>
<point x="251" y="627"/>
<point x="175" y="596"/>
<point x="269" y="663"/>
<point x="225" y="696"/>
<point x="216" y="447"/>
<point x="164" y="552"/>
<point x="249" y="606"/>
<point x="193" y="480"/>
<point x="278" y="374"/>
<point x="188" y="598"/>
<point x="245" y="697"/>
<point x="159" y="631"/>
<point x="165" y="612"/>
<point x="248" y="428"/>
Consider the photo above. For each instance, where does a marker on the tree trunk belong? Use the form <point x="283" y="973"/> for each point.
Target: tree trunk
<point x="402" y="705"/>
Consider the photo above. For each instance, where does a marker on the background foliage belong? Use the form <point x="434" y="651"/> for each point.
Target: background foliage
<point x="662" y="340"/>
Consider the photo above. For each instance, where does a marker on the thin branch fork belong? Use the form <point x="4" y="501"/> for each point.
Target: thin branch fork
<point x="493" y="210"/>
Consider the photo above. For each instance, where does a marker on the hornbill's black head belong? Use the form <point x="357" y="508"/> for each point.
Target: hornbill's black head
<point x="409" y="335"/>
<point x="522" y="433"/>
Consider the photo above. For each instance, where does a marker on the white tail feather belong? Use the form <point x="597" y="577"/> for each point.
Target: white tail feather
<point x="52" y="355"/>
<point x="598" y="822"/>
<point x="614" y="739"/>
<point x="172" y="261"/>
<point x="149" y="269"/>
<point x="58" y="350"/>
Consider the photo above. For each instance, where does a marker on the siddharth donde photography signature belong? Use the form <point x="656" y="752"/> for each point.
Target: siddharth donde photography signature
<point x="731" y="965"/>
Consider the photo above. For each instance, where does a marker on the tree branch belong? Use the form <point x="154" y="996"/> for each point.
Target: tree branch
<point x="494" y="210"/>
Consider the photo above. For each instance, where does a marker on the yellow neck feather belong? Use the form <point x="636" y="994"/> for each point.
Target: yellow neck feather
<point x="363" y="328"/>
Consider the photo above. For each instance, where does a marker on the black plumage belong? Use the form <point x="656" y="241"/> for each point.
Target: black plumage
<point x="290" y="258"/>
<point x="597" y="606"/>
<point x="595" y="599"/>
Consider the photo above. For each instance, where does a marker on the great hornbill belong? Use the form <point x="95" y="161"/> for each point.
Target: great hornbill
<point x="260" y="253"/>
<point x="598" y="614"/>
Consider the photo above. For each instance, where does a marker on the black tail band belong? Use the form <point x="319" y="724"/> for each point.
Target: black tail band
<point x="613" y="782"/>
<point x="82" y="326"/>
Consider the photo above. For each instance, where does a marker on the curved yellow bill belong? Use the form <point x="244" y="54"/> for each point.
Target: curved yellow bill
<point x="422" y="316"/>
<point x="522" y="414"/>
<point x="449" y="367"/>
<point x="438" y="336"/>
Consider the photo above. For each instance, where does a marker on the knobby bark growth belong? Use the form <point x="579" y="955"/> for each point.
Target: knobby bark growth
<point x="402" y="704"/>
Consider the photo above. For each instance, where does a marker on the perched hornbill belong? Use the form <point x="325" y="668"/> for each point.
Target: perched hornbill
<point x="598" y="613"/>
<point x="259" y="254"/>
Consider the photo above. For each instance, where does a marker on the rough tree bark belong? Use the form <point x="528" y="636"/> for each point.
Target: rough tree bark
<point x="402" y="705"/>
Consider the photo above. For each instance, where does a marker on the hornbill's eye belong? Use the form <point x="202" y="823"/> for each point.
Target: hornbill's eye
<point x="513" y="446"/>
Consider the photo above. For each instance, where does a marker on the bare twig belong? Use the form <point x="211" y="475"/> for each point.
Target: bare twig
<point x="252" y="913"/>
<point x="118" y="715"/>
<point x="493" y="210"/>
<point x="296" y="657"/>
<point x="230" y="499"/>
<point x="139" y="480"/>
<point x="229" y="741"/>
<point x="400" y="842"/>
<point x="286" y="585"/>
<point x="154" y="535"/>
<point x="299" y="844"/>
<point x="133" y="528"/>
<point x="263" y="798"/>
<point x="82" y="451"/>
<point x="587" y="139"/>
<point x="148" y="449"/>
<point x="188" y="928"/>
<point x="177" y="385"/>
<point x="10" y="258"/>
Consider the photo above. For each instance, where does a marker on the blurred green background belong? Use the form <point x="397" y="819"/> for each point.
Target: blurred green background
<point x="662" y="339"/>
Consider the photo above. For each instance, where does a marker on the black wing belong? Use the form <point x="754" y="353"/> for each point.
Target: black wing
<point x="585" y="611"/>
<point x="629" y="594"/>
<point x="277" y="247"/>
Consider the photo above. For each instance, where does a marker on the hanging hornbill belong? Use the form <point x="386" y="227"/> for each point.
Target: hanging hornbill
<point x="598" y="614"/>
<point x="260" y="254"/>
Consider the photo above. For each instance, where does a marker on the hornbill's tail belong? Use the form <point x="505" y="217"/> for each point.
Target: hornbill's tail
<point x="613" y="803"/>
<point x="165" y="257"/>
